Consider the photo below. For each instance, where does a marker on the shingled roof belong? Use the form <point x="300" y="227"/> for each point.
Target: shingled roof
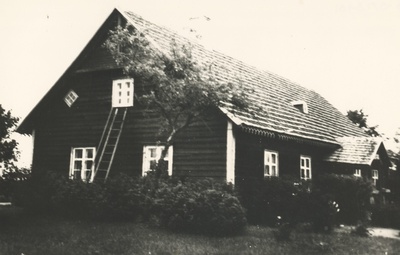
<point x="271" y="100"/>
<point x="356" y="150"/>
<point x="272" y="93"/>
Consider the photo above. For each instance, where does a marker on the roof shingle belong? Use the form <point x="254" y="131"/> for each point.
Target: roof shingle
<point x="356" y="150"/>
<point x="272" y="93"/>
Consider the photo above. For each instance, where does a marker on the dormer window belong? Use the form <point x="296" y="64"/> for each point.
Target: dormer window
<point x="301" y="106"/>
<point x="70" y="98"/>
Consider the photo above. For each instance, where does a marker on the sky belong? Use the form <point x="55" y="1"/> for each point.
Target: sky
<point x="347" y="51"/>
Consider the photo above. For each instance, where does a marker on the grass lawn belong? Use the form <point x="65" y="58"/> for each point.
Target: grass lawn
<point x="23" y="234"/>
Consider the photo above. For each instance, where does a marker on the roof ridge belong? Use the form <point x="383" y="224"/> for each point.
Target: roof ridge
<point x="271" y="90"/>
<point x="209" y="48"/>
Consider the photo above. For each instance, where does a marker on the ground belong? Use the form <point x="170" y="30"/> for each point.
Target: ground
<point x="26" y="234"/>
<point x="385" y="232"/>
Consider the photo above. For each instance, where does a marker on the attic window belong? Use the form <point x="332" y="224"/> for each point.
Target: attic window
<point x="122" y="93"/>
<point x="301" y="106"/>
<point x="70" y="98"/>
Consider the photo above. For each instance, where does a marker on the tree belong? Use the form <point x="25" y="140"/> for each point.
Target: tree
<point x="360" y="118"/>
<point x="179" y="87"/>
<point x="8" y="146"/>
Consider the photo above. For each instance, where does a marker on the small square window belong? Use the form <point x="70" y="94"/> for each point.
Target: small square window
<point x="70" y="98"/>
<point x="151" y="155"/>
<point x="357" y="172"/>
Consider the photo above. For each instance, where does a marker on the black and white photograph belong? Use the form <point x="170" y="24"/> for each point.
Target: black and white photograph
<point x="199" y="127"/>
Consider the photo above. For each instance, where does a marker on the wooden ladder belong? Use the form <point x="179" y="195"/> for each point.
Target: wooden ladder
<point x="108" y="143"/>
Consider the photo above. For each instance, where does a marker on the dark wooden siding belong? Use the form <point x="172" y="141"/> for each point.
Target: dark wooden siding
<point x="198" y="151"/>
<point x="250" y="156"/>
<point x="366" y="170"/>
<point x="61" y="127"/>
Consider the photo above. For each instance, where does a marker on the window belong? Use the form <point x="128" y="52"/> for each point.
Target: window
<point x="305" y="167"/>
<point x="82" y="163"/>
<point x="122" y="93"/>
<point x="271" y="163"/>
<point x="357" y="172"/>
<point x="70" y="98"/>
<point x="151" y="155"/>
<point x="301" y="106"/>
<point x="2" y="169"/>
<point x="375" y="176"/>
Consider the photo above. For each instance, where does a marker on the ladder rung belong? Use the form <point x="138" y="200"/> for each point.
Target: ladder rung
<point x="111" y="134"/>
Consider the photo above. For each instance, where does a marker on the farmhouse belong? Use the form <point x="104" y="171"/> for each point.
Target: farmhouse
<point x="89" y="122"/>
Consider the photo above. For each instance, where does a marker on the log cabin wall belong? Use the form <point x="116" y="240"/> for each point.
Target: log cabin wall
<point x="198" y="151"/>
<point x="250" y="156"/>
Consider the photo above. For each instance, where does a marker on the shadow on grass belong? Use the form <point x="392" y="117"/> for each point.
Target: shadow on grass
<point x="32" y="234"/>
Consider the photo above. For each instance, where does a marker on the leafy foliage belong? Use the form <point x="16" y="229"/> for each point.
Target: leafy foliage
<point x="8" y="146"/>
<point x="202" y="206"/>
<point x="275" y="198"/>
<point x="324" y="202"/>
<point x="386" y="216"/>
<point x="199" y="206"/>
<point x="360" y="118"/>
<point x="175" y="84"/>
<point x="11" y="178"/>
<point x="351" y="193"/>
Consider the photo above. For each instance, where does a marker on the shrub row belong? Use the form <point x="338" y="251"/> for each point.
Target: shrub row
<point x="351" y="193"/>
<point x="327" y="200"/>
<point x="201" y="206"/>
<point x="387" y="216"/>
<point x="204" y="205"/>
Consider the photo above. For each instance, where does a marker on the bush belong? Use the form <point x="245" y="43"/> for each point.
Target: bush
<point x="118" y="199"/>
<point x="202" y="206"/>
<point x="33" y="193"/>
<point x="324" y="202"/>
<point x="123" y="197"/>
<point x="352" y="195"/>
<point x="12" y="178"/>
<point x="387" y="216"/>
<point x="76" y="199"/>
<point x="268" y="199"/>
<point x="323" y="212"/>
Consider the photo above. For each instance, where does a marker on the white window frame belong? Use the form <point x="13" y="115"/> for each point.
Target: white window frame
<point x="70" y="98"/>
<point x="301" y="106"/>
<point x="375" y="176"/>
<point x="357" y="172"/>
<point x="84" y="176"/>
<point x="2" y="168"/>
<point x="305" y="168"/>
<point x="268" y="163"/>
<point x="147" y="157"/>
<point x="122" y="93"/>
